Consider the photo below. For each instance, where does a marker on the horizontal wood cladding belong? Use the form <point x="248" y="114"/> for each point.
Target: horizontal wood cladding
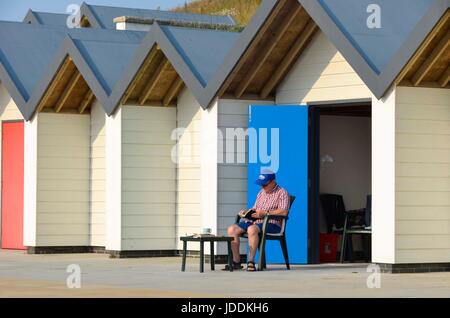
<point x="422" y="175"/>
<point x="148" y="178"/>
<point x="188" y="211"/>
<point x="63" y="170"/>
<point x="321" y="74"/>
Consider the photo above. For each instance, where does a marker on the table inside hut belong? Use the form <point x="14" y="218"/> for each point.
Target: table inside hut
<point x="202" y="239"/>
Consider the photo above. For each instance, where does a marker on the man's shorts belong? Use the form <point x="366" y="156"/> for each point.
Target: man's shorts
<point x="271" y="228"/>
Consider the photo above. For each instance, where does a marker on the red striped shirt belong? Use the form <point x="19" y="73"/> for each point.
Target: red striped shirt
<point x="277" y="199"/>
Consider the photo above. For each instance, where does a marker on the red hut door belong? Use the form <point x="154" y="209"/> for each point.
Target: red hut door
<point x="12" y="185"/>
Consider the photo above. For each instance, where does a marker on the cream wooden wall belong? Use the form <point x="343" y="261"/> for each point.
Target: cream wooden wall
<point x="321" y="75"/>
<point x="148" y="178"/>
<point x="63" y="162"/>
<point x="189" y="115"/>
<point x="422" y="175"/>
<point x="8" y="109"/>
<point x="98" y="176"/>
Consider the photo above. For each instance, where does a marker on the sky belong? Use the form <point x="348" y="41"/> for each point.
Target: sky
<point x="15" y="10"/>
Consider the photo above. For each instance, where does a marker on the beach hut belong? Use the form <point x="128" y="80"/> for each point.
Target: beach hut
<point x="131" y="139"/>
<point x="379" y="90"/>
<point x="103" y="17"/>
<point x="63" y="135"/>
<point x="100" y="132"/>
<point x="163" y="135"/>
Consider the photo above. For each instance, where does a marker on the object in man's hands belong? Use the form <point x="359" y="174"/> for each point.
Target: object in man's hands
<point x="248" y="214"/>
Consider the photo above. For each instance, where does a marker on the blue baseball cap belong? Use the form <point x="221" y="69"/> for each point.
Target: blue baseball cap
<point x="265" y="177"/>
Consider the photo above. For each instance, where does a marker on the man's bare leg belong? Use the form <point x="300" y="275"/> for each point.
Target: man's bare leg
<point x="235" y="232"/>
<point x="253" y="241"/>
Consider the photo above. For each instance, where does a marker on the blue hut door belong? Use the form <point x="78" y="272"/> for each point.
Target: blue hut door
<point x="278" y="140"/>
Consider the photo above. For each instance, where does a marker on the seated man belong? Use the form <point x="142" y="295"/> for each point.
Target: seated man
<point x="272" y="200"/>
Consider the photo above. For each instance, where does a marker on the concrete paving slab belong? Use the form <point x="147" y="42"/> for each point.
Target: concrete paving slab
<point x="23" y="275"/>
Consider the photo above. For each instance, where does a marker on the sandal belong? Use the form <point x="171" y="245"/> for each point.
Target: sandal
<point x="236" y="266"/>
<point x="251" y="267"/>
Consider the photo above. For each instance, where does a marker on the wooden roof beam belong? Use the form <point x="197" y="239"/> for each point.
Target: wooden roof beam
<point x="150" y="57"/>
<point x="305" y="36"/>
<point x="153" y="81"/>
<point x="267" y="51"/>
<point x="422" y="48"/>
<point x="62" y="70"/>
<point x="260" y="35"/>
<point x="66" y="93"/>
<point x="426" y="66"/>
<point x="173" y="91"/>
<point x="445" y="78"/>
<point x="87" y="100"/>
<point x="84" y="22"/>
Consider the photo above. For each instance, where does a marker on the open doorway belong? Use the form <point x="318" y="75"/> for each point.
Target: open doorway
<point x="340" y="181"/>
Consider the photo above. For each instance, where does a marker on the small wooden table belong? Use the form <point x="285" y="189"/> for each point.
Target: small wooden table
<point x="211" y="240"/>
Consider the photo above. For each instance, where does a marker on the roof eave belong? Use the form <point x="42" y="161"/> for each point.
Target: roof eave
<point x="31" y="17"/>
<point x="156" y="36"/>
<point x="236" y="53"/>
<point x="377" y="83"/>
<point x="87" y="12"/>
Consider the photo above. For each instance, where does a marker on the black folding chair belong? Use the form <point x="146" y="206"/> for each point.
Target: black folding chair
<point x="335" y="214"/>
<point x="264" y="236"/>
<point x="334" y="209"/>
<point x="363" y="229"/>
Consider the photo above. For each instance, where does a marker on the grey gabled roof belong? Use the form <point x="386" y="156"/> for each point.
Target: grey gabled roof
<point x="203" y="50"/>
<point x="30" y="56"/>
<point x="377" y="55"/>
<point x="376" y="46"/>
<point x="103" y="16"/>
<point x="377" y="58"/>
<point x="45" y="18"/>
<point x="25" y="53"/>
<point x="195" y="54"/>
<point x="108" y="60"/>
<point x="236" y="53"/>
